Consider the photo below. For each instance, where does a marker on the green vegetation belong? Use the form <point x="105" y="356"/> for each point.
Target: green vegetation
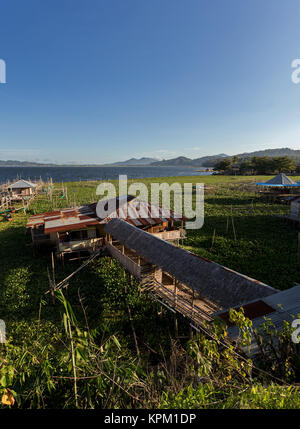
<point x="257" y="165"/>
<point x="81" y="351"/>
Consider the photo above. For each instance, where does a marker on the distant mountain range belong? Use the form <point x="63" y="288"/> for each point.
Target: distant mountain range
<point x="204" y="161"/>
<point x="181" y="161"/>
<point x="14" y="163"/>
<point x="291" y="153"/>
<point x="131" y="161"/>
<point x="135" y="161"/>
<point x="210" y="161"/>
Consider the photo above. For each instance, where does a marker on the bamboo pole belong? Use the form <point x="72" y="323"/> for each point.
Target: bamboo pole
<point x="175" y="292"/>
<point x="213" y="239"/>
<point x="53" y="278"/>
<point x="176" y="324"/>
<point x="233" y="227"/>
<point x="299" y="247"/>
<point x="193" y="304"/>
<point x="133" y="332"/>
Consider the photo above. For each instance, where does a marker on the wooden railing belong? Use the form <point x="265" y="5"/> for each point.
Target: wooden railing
<point x="133" y="263"/>
<point x="175" y="301"/>
<point x="170" y="235"/>
<point x="73" y="246"/>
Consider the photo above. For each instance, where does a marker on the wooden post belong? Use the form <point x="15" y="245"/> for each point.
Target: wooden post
<point x="176" y="324"/>
<point x="53" y="278"/>
<point x="53" y="267"/>
<point x="160" y="311"/>
<point x="193" y="298"/>
<point x="51" y="284"/>
<point x="182" y="228"/>
<point x="191" y="332"/>
<point x="234" y="233"/>
<point x="213" y="239"/>
<point x="175" y="292"/>
<point x="133" y="331"/>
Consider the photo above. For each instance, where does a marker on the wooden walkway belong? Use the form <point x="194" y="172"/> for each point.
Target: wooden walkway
<point x="194" y="309"/>
<point x="168" y="291"/>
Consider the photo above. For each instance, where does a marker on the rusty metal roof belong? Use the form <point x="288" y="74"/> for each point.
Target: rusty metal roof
<point x="281" y="307"/>
<point x="252" y="310"/>
<point x="132" y="210"/>
<point x="140" y="213"/>
<point x="65" y="220"/>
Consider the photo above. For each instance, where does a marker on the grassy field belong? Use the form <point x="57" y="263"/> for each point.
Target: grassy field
<point x="257" y="243"/>
<point x="248" y="237"/>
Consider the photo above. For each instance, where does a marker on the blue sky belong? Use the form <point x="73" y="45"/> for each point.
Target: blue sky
<point x="105" y="80"/>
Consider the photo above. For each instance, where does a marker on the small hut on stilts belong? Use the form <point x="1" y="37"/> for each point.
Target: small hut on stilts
<point x="280" y="188"/>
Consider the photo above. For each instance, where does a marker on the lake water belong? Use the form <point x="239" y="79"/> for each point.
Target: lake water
<point x="72" y="174"/>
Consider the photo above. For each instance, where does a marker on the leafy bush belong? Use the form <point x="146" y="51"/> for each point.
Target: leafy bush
<point x="14" y="295"/>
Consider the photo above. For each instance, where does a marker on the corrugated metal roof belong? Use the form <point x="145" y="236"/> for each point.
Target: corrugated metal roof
<point x="280" y="180"/>
<point x="286" y="305"/>
<point x="287" y="301"/>
<point x="138" y="212"/>
<point x="251" y="311"/>
<point x="134" y="211"/>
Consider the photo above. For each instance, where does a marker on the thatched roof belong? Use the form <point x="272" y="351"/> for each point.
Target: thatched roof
<point x="223" y="286"/>
<point x="22" y="184"/>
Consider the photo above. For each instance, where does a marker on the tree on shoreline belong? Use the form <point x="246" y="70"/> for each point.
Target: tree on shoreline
<point x="257" y="165"/>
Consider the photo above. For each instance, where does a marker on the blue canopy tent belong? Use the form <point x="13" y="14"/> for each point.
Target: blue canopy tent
<point x="281" y="180"/>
